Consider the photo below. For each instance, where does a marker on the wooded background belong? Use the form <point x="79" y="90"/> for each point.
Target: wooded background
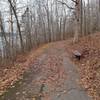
<point x="27" y="26"/>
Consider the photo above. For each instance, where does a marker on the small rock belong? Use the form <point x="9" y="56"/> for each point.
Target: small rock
<point x="64" y="91"/>
<point x="24" y="92"/>
<point x="13" y="86"/>
<point x="83" y="64"/>
<point x="58" y="95"/>
<point x="17" y="93"/>
<point x="33" y="98"/>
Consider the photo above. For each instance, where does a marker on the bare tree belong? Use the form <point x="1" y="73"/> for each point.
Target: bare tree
<point x="18" y="25"/>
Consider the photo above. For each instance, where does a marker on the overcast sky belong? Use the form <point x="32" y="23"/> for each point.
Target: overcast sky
<point x="4" y="4"/>
<point x="4" y="7"/>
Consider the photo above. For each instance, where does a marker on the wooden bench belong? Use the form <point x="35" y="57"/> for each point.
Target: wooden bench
<point x="77" y="54"/>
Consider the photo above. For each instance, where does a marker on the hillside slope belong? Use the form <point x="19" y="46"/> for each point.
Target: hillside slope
<point x="89" y="65"/>
<point x="52" y="76"/>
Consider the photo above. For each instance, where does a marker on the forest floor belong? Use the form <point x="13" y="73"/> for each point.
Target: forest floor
<point x="89" y="65"/>
<point x="50" y="65"/>
<point x="52" y="76"/>
<point x="10" y="73"/>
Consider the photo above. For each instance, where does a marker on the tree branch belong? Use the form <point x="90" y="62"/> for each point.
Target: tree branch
<point x="66" y="4"/>
<point x="75" y="2"/>
<point x="18" y="25"/>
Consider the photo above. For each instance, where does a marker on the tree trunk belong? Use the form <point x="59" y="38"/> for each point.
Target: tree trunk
<point x="77" y="21"/>
<point x="18" y="25"/>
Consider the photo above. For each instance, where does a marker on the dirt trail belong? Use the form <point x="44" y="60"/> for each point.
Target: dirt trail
<point x="51" y="77"/>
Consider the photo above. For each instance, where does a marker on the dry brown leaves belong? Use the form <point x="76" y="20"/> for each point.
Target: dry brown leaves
<point x="9" y="75"/>
<point x="53" y="73"/>
<point x="89" y="66"/>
